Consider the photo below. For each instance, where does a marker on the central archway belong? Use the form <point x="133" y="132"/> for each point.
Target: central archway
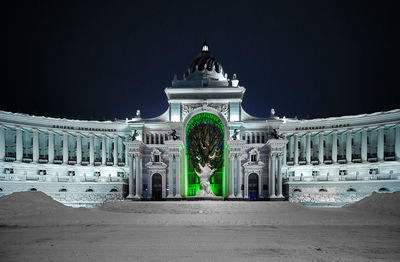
<point x="205" y="137"/>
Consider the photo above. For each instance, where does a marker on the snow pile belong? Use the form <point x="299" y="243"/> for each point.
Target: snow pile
<point x="29" y="203"/>
<point x="380" y="203"/>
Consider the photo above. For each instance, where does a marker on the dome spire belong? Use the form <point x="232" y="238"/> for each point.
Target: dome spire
<point x="205" y="47"/>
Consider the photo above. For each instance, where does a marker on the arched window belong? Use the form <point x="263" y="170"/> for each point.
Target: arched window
<point x="89" y="190"/>
<point x="297" y="190"/>
<point x="351" y="190"/>
<point x="62" y="190"/>
<point x="33" y="189"/>
<point x="114" y="190"/>
<point x="1" y="189"/>
<point x="323" y="190"/>
<point x="383" y="189"/>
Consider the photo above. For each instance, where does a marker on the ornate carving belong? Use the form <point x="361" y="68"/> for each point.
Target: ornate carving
<point x="174" y="135"/>
<point x="235" y="134"/>
<point x="222" y="108"/>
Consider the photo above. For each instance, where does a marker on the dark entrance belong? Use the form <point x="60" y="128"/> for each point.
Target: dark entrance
<point x="253" y="186"/>
<point x="156" y="187"/>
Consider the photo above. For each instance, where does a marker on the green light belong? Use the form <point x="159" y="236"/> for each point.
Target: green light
<point x="217" y="181"/>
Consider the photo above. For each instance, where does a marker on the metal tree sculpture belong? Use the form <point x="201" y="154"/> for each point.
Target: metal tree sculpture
<point x="205" y="153"/>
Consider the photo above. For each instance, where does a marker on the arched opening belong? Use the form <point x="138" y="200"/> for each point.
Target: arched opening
<point x="33" y="189"/>
<point x="297" y="190"/>
<point x="89" y="190"/>
<point x="351" y="190"/>
<point x="114" y="190"/>
<point x="253" y="186"/>
<point x="1" y="190"/>
<point x="62" y="190"/>
<point x="205" y="155"/>
<point x="323" y="190"/>
<point x="156" y="187"/>
<point x="383" y="189"/>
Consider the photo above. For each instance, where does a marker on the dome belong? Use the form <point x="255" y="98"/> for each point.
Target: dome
<point x="205" y="65"/>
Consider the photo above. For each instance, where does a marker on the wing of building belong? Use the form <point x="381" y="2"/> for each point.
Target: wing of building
<point x="329" y="161"/>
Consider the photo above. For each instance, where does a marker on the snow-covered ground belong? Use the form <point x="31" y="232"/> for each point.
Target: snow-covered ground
<point x="34" y="227"/>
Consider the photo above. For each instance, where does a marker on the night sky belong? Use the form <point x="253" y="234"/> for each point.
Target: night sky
<point x="105" y="59"/>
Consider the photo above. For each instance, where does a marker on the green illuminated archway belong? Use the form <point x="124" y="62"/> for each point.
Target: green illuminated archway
<point x="207" y="130"/>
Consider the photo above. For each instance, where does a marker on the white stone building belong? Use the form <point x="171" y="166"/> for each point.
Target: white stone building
<point x="328" y="161"/>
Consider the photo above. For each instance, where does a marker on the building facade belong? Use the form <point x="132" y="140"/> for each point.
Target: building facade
<point x="205" y="145"/>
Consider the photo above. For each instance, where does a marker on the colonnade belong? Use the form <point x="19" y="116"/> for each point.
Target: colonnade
<point x="367" y="144"/>
<point x="77" y="158"/>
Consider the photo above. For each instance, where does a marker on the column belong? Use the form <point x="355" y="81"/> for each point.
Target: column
<point x="2" y="143"/>
<point x="130" y="186"/>
<point x="115" y="156"/>
<point x="177" y="175"/>
<point x="239" y="178"/>
<point x="296" y="149"/>
<point x="321" y="148"/>
<point x="51" y="147"/>
<point x="381" y="146"/>
<point x="18" y="144"/>
<point x="232" y="177"/>
<point x="397" y="142"/>
<point x="364" y="145"/>
<point x="91" y="149"/>
<point x="272" y="177"/>
<point x="308" y="148"/>
<point x="138" y="182"/>
<point x="279" y="182"/>
<point x="171" y="176"/>
<point x="334" y="147"/>
<point x="284" y="152"/>
<point x="103" y="149"/>
<point x="348" y="146"/>
<point x="35" y="146"/>
<point x="65" y="147"/>
<point x="126" y="151"/>
<point x="78" y="148"/>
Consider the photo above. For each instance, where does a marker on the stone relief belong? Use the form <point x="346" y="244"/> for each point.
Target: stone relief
<point x="222" y="108"/>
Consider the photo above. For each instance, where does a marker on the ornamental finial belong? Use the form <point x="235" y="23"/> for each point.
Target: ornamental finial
<point x="205" y="47"/>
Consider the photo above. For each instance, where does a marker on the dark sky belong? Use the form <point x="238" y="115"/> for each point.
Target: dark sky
<point x="105" y="59"/>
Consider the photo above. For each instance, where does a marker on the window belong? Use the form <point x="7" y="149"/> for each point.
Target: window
<point x="383" y="189"/>
<point x="114" y="190"/>
<point x="89" y="190"/>
<point x="156" y="158"/>
<point x="33" y="189"/>
<point x="291" y="173"/>
<point x="315" y="173"/>
<point x="342" y="172"/>
<point x="96" y="174"/>
<point x="323" y="190"/>
<point x="351" y="190"/>
<point x="253" y="158"/>
<point x="297" y="190"/>
<point x="62" y="190"/>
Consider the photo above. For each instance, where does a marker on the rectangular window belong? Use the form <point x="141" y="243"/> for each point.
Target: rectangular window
<point x="342" y="172"/>
<point x="253" y="158"/>
<point x="157" y="158"/>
